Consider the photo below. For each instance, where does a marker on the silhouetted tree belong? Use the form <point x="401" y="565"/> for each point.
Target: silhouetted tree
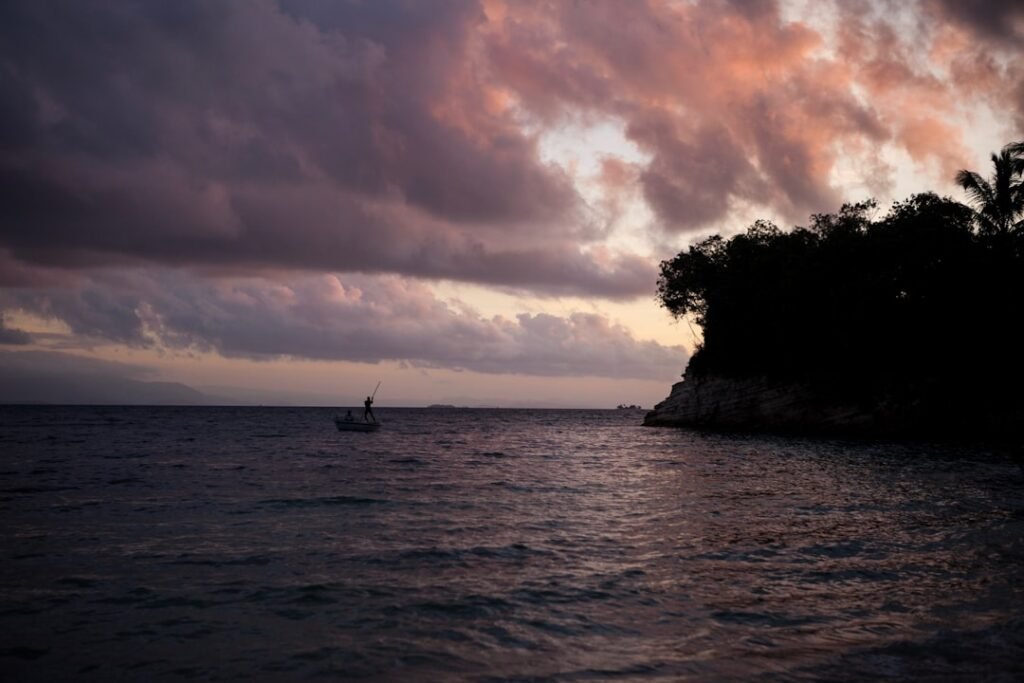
<point x="915" y="307"/>
<point x="999" y="203"/>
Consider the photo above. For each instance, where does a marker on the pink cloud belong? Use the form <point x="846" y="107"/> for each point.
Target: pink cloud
<point x="404" y="138"/>
<point x="735" y="105"/>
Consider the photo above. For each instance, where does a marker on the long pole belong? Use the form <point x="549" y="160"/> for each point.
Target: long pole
<point x="374" y="394"/>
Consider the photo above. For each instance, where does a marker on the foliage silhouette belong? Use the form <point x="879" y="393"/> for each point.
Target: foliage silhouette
<point x="999" y="202"/>
<point x="916" y="308"/>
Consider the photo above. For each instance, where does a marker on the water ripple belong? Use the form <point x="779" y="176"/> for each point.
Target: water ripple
<point x="169" y="543"/>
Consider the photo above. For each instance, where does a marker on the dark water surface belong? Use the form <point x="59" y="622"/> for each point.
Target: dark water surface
<point x="261" y="544"/>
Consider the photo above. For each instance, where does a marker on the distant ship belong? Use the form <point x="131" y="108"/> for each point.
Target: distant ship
<point x="631" y="406"/>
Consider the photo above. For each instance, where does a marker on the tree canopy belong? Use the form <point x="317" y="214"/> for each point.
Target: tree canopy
<point x="923" y="301"/>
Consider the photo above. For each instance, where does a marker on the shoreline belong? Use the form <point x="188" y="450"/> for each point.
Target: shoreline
<point x="762" y="405"/>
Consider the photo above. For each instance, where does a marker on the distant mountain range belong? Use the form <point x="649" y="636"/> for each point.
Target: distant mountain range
<point x="53" y="377"/>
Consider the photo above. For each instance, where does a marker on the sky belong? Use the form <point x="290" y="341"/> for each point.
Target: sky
<point x="285" y="202"/>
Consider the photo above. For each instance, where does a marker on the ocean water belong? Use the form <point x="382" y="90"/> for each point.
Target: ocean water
<point x="158" y="544"/>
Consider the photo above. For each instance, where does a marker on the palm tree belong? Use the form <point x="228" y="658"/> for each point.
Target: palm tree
<point x="999" y="203"/>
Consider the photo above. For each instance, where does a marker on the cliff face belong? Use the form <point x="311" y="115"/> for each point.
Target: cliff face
<point x="748" y="404"/>
<point x="758" y="404"/>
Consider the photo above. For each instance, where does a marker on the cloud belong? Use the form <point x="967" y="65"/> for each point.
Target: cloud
<point x="989" y="18"/>
<point x="284" y="178"/>
<point x="11" y="336"/>
<point x="979" y="42"/>
<point x="302" y="135"/>
<point x="396" y="137"/>
<point x="739" y="104"/>
<point x="361" y="318"/>
<point x="733" y="104"/>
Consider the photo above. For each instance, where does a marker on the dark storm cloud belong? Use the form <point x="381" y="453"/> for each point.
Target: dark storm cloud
<point x="362" y="319"/>
<point x="693" y="176"/>
<point x="305" y="135"/>
<point x="286" y="228"/>
<point x="988" y="64"/>
<point x="1001" y="19"/>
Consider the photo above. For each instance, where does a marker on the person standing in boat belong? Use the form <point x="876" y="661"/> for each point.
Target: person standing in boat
<point x="368" y="410"/>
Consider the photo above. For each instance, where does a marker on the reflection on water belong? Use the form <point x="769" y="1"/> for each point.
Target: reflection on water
<point x="495" y="545"/>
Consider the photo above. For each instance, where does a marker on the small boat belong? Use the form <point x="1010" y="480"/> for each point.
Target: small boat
<point x="349" y="423"/>
<point x="353" y="426"/>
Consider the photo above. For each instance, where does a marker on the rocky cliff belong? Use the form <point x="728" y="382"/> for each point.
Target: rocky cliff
<point x="754" y="404"/>
<point x="759" y="404"/>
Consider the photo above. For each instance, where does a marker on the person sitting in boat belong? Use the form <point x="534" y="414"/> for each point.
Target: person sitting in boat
<point x="349" y="417"/>
<point x="368" y="410"/>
